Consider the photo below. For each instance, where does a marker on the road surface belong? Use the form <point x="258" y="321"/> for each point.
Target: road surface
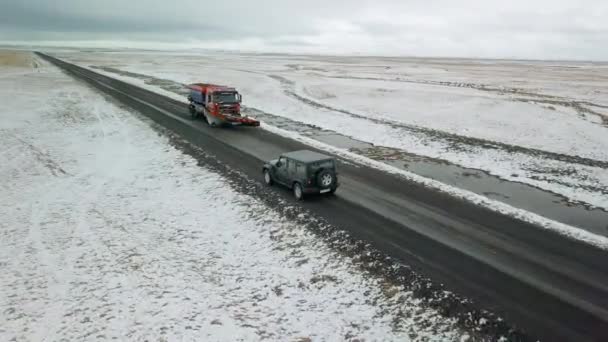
<point x="553" y="287"/>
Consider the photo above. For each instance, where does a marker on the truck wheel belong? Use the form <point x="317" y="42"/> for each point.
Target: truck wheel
<point x="267" y="177"/>
<point x="298" y="192"/>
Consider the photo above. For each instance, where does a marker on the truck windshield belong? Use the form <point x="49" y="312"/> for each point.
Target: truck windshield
<point x="226" y="97"/>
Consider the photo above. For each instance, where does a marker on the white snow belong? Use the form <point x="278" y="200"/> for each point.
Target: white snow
<point x="454" y="108"/>
<point x="462" y="111"/>
<point x="108" y="232"/>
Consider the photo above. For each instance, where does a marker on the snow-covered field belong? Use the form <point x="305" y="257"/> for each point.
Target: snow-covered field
<point x="540" y="123"/>
<point x="109" y="232"/>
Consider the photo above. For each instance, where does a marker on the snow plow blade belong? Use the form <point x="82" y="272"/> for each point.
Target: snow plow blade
<point x="243" y="121"/>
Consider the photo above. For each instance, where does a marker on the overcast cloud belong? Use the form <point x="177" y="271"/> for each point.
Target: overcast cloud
<point x="539" y="29"/>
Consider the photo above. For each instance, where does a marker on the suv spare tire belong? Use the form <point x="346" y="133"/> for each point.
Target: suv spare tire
<point x="326" y="179"/>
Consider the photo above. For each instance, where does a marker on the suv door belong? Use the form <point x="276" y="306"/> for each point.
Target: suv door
<point x="300" y="174"/>
<point x="291" y="171"/>
<point x="280" y="173"/>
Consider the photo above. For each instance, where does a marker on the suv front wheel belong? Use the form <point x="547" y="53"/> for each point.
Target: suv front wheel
<point x="267" y="177"/>
<point x="298" y="192"/>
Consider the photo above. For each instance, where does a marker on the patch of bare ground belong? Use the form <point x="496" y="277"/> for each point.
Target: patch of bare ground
<point x="18" y="59"/>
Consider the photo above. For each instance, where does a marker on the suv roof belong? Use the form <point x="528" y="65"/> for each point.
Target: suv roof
<point x="306" y="156"/>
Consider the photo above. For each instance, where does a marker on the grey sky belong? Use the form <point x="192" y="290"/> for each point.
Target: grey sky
<point x="474" y="28"/>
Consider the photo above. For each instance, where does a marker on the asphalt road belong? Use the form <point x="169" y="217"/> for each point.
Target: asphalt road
<point x="553" y="287"/>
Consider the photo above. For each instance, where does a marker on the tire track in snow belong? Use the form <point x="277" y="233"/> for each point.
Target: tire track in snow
<point x="134" y="281"/>
<point x="108" y="123"/>
<point x="57" y="278"/>
<point x="53" y="319"/>
<point x="81" y="236"/>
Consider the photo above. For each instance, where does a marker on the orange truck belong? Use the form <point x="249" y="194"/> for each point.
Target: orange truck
<point x="217" y="105"/>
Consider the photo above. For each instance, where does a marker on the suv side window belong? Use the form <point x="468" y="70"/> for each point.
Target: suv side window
<point x="291" y="167"/>
<point x="301" y="170"/>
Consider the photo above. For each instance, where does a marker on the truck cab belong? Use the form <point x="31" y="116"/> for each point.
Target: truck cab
<point x="224" y="101"/>
<point x="218" y="105"/>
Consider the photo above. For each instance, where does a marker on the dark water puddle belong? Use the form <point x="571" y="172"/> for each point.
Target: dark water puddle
<point x="516" y="194"/>
<point x="519" y="195"/>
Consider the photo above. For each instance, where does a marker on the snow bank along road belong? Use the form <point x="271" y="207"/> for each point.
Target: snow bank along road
<point x="554" y="287"/>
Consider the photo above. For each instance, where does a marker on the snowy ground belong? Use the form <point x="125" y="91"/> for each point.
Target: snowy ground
<point x="539" y="123"/>
<point x="109" y="232"/>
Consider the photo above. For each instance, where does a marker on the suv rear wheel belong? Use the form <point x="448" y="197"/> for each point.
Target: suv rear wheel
<point x="298" y="192"/>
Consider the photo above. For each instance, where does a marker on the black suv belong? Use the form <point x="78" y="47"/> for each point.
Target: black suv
<point x="306" y="172"/>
